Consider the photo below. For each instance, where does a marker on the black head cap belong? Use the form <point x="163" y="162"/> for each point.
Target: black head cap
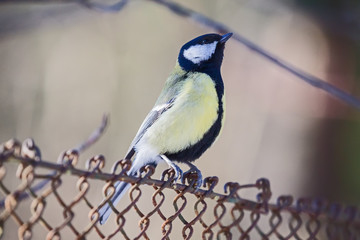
<point x="203" y="53"/>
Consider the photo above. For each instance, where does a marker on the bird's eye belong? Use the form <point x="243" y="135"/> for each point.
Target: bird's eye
<point x="205" y="41"/>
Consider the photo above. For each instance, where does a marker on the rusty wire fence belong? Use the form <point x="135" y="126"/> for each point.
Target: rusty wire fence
<point x="156" y="208"/>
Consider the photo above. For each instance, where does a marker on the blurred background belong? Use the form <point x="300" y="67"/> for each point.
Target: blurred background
<point x="63" y="65"/>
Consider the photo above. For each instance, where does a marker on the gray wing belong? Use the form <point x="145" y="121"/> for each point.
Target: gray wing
<point x="153" y="115"/>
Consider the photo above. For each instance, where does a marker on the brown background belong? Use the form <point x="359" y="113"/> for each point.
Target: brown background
<point x="62" y="66"/>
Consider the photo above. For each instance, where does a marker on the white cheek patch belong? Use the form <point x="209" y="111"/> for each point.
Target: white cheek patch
<point x="199" y="53"/>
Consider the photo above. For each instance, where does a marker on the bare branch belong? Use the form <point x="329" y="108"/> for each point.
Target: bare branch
<point x="94" y="136"/>
<point x="208" y="22"/>
<point x="106" y="8"/>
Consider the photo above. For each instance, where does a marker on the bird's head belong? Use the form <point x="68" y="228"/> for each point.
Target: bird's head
<point x="203" y="53"/>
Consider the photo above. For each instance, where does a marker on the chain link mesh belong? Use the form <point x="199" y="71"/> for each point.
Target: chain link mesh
<point x="156" y="208"/>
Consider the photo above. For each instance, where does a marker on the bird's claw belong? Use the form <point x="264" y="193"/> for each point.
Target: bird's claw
<point x="182" y="176"/>
<point x="199" y="179"/>
<point x="176" y="168"/>
<point x="178" y="172"/>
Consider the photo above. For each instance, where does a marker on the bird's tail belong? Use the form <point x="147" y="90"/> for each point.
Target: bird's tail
<point x="122" y="187"/>
<point x="105" y="211"/>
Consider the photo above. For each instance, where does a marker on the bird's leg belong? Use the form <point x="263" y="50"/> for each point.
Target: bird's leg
<point x="193" y="168"/>
<point x="177" y="169"/>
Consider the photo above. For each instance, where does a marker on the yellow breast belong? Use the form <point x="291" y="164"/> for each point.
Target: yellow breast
<point x="193" y="113"/>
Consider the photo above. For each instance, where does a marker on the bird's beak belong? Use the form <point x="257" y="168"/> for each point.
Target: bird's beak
<point x="225" y="37"/>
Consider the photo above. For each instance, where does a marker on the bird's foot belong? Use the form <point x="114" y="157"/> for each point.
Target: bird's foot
<point x="176" y="168"/>
<point x="193" y="169"/>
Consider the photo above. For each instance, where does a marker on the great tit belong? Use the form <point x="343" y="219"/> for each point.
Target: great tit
<point x="187" y="116"/>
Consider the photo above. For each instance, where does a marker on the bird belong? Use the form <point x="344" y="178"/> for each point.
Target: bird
<point x="186" y="118"/>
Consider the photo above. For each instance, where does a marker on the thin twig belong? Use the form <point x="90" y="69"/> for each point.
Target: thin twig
<point x="208" y="22"/>
<point x="94" y="136"/>
<point x="106" y="8"/>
